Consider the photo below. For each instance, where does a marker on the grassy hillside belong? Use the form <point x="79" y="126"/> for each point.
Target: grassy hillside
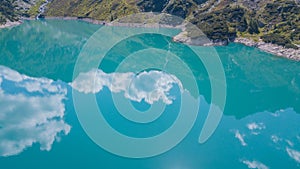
<point x="274" y="21"/>
<point x="33" y="11"/>
<point x="96" y="9"/>
<point x="7" y="11"/>
<point x="282" y="22"/>
<point x="12" y="10"/>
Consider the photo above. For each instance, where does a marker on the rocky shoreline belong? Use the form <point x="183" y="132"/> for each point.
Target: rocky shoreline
<point x="293" y="54"/>
<point x="9" y="24"/>
<point x="92" y="21"/>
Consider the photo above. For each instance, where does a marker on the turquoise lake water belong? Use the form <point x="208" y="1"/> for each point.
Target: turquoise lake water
<point x="39" y="127"/>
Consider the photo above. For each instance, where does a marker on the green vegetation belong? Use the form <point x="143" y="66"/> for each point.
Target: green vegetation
<point x="12" y="10"/>
<point x="283" y="23"/>
<point x="154" y="6"/>
<point x="222" y="24"/>
<point x="7" y="11"/>
<point x="278" y="39"/>
<point x="273" y="21"/>
<point x="34" y="10"/>
<point x="101" y="10"/>
<point x="253" y="27"/>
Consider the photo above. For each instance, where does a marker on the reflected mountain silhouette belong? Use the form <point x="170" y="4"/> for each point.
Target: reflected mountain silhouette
<point x="44" y="48"/>
<point x="256" y="81"/>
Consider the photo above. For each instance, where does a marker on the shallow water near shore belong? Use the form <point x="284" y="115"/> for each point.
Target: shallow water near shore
<point x="260" y="127"/>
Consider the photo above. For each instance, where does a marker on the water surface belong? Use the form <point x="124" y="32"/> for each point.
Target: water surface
<point x="39" y="127"/>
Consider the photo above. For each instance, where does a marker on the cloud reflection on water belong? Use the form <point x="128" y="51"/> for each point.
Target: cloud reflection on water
<point x="31" y="111"/>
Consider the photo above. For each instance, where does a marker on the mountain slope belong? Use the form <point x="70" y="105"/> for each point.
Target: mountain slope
<point x="274" y="21"/>
<point x="96" y="9"/>
<point x="7" y="11"/>
<point x="13" y="10"/>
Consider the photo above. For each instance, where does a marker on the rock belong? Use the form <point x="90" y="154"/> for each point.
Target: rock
<point x="10" y="24"/>
<point x="289" y="53"/>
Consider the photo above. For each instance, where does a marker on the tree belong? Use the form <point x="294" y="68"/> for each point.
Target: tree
<point x="253" y="27"/>
<point x="7" y="10"/>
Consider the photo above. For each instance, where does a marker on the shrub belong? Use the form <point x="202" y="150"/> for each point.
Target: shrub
<point x="289" y="45"/>
<point x="276" y="39"/>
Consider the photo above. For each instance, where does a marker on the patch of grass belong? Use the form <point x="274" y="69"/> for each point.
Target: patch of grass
<point x="279" y="40"/>
<point x="219" y="21"/>
<point x="101" y="10"/>
<point x="34" y="10"/>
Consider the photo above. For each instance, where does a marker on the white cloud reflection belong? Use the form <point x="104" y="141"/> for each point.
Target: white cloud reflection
<point x="294" y="154"/>
<point x="240" y="137"/>
<point x="255" y="128"/>
<point x="273" y="133"/>
<point x="31" y="111"/>
<point x="255" y="164"/>
<point x="150" y="86"/>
